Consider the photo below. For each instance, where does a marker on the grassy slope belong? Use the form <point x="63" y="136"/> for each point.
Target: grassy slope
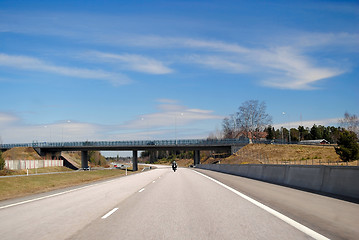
<point x="273" y="154"/>
<point x="21" y="153"/>
<point x="267" y="153"/>
<point x="27" y="185"/>
<point x="28" y="153"/>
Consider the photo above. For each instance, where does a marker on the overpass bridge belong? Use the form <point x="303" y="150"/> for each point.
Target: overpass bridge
<point x="54" y="149"/>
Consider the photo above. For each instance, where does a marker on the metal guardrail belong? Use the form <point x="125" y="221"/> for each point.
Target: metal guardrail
<point x="189" y="142"/>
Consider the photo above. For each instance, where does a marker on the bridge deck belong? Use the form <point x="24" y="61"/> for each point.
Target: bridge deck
<point x="132" y="145"/>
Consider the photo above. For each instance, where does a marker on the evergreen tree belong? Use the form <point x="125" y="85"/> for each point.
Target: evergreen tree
<point x="327" y="134"/>
<point x="294" y="135"/>
<point x="2" y="161"/>
<point x="314" y="132"/>
<point x="348" y="148"/>
<point x="270" y="132"/>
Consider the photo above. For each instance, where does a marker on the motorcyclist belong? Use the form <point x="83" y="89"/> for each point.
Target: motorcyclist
<point x="174" y="165"/>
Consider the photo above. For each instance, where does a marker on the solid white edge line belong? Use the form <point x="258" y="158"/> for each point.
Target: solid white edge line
<point x="109" y="213"/>
<point x="284" y="218"/>
<point x="53" y="195"/>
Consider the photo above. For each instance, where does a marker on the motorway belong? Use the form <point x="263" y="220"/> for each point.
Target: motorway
<point x="187" y="204"/>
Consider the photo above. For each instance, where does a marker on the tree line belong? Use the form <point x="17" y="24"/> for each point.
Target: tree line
<point x="329" y="133"/>
<point x="252" y="122"/>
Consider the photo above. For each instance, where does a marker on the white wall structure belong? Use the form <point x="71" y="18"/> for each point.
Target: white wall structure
<point x="30" y="164"/>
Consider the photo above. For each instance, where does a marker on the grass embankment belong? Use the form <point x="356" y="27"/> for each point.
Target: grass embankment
<point x="276" y="154"/>
<point x="13" y="187"/>
<point x="284" y="154"/>
<point x="21" y="153"/>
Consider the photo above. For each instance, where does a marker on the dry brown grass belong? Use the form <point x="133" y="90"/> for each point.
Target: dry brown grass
<point x="7" y="172"/>
<point x="21" y="186"/>
<point x="285" y="154"/>
<point x="21" y="153"/>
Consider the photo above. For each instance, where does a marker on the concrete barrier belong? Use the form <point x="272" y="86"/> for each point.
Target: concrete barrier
<point x="338" y="180"/>
<point x="30" y="164"/>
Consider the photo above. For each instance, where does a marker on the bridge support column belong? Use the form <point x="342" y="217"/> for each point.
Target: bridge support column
<point x="197" y="157"/>
<point x="134" y="161"/>
<point x="152" y="156"/>
<point x="84" y="159"/>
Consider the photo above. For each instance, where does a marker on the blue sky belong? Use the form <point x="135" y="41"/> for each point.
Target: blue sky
<point x="125" y="70"/>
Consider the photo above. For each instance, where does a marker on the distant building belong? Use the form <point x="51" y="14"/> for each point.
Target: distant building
<point x="314" y="142"/>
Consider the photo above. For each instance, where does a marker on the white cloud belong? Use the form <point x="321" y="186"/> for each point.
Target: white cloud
<point x="345" y="40"/>
<point x="158" y="125"/>
<point x="15" y="131"/>
<point x="34" y="64"/>
<point x="283" y="67"/>
<point x="153" y="41"/>
<point x="166" y="100"/>
<point x="6" y="118"/>
<point x="136" y="62"/>
<point x="171" y="114"/>
<point x="220" y="63"/>
<point x="210" y="45"/>
<point x="308" y="123"/>
<point x="291" y="69"/>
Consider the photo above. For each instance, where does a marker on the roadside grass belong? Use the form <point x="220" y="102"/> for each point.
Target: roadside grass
<point x="13" y="187"/>
<point x="7" y="172"/>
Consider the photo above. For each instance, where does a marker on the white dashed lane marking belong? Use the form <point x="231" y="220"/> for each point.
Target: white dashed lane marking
<point x="109" y="213"/>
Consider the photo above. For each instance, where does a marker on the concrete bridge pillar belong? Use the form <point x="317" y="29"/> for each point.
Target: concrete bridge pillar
<point x="84" y="159"/>
<point x="134" y="161"/>
<point x="152" y="156"/>
<point x="197" y="157"/>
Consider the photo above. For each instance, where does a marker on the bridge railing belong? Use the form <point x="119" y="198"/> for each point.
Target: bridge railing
<point x="181" y="142"/>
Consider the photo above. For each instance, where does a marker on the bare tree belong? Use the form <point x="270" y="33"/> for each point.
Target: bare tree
<point x="350" y="122"/>
<point x="229" y="129"/>
<point x="251" y="119"/>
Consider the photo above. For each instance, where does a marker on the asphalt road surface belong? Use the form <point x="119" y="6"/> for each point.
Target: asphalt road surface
<point x="161" y="204"/>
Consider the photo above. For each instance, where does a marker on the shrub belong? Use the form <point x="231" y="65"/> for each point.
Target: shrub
<point x="348" y="148"/>
<point x="2" y="161"/>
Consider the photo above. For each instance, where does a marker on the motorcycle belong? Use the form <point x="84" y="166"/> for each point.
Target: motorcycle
<point x="174" y="167"/>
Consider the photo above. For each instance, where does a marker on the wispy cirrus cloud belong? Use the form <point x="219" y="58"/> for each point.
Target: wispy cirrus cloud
<point x="134" y="62"/>
<point x="35" y="64"/>
<point x="284" y="67"/>
<point x="7" y="118"/>
<point x="171" y="113"/>
<point x="223" y="63"/>
<point x="290" y="69"/>
<point x="284" y="62"/>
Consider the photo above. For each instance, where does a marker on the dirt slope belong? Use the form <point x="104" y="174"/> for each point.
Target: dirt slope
<point x="21" y="153"/>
